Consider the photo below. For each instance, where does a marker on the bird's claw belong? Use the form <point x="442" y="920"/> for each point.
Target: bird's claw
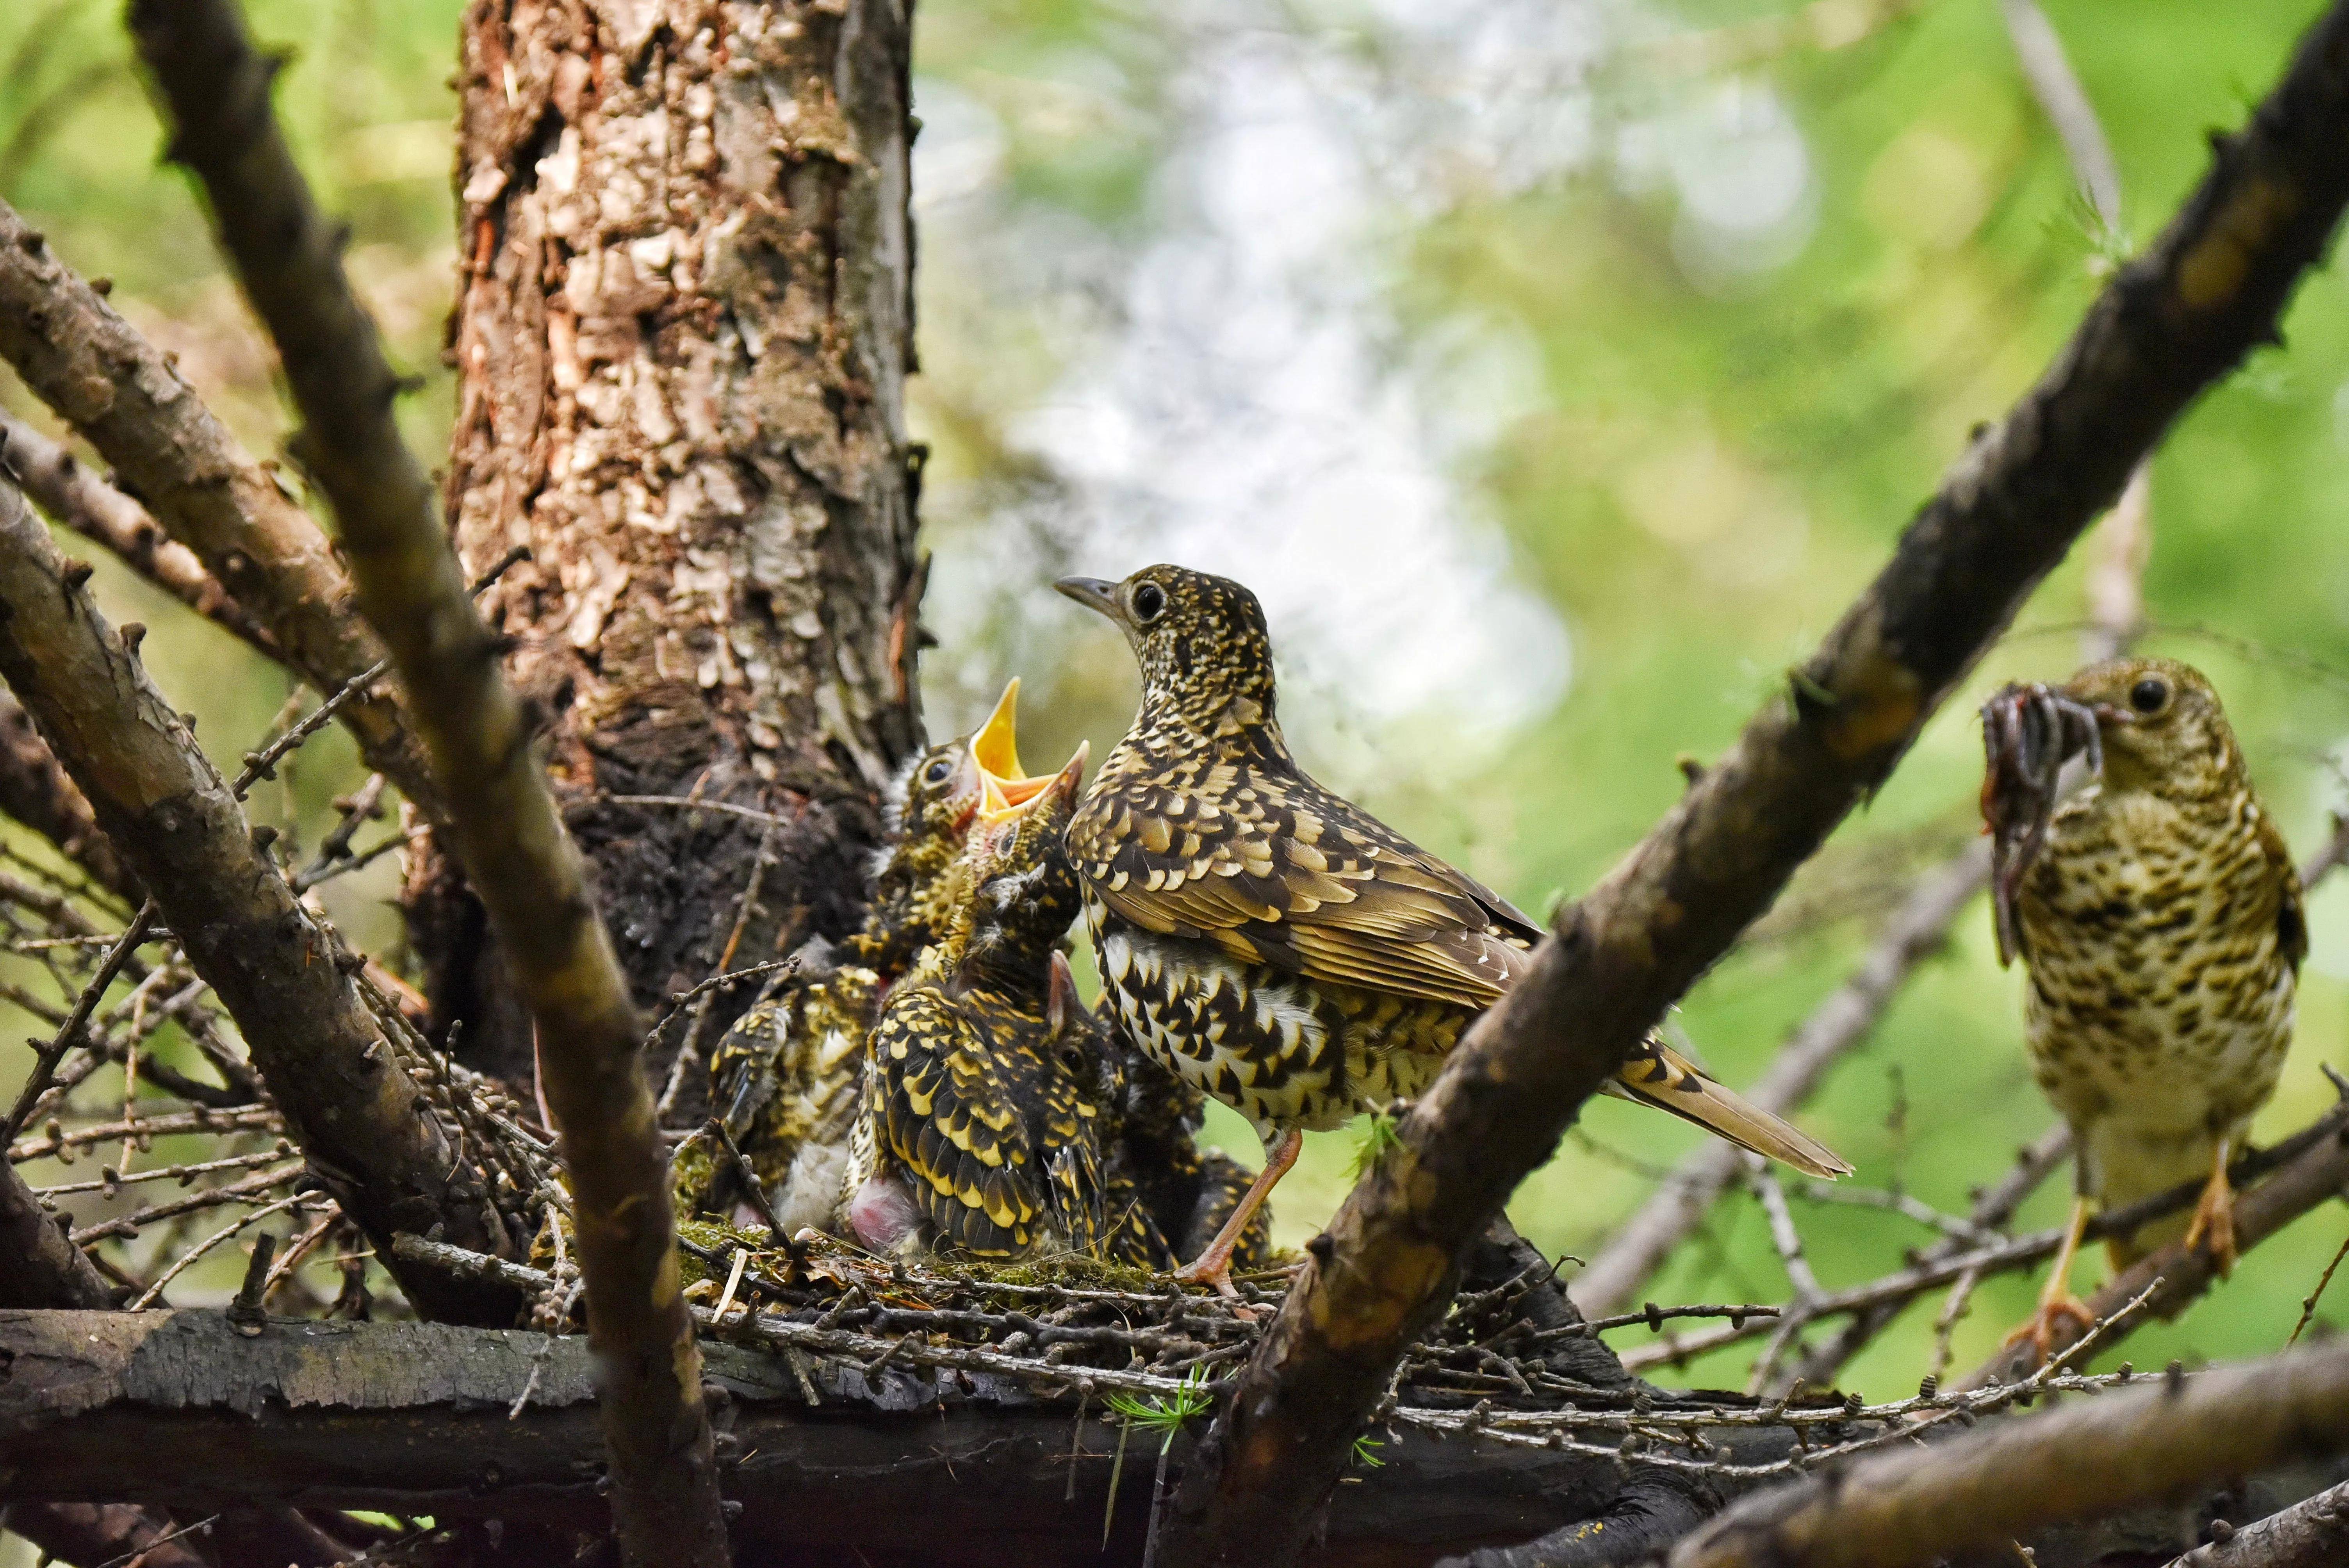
<point x="1214" y="1270"/>
<point x="2039" y="1331"/>
<point x="2213" y="1227"/>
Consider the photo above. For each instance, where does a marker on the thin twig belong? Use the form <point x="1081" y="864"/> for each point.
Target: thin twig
<point x="76" y="1023"/>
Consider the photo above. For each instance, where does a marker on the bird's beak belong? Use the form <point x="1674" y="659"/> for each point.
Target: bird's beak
<point x="998" y="807"/>
<point x="995" y="755"/>
<point x="1093" y="594"/>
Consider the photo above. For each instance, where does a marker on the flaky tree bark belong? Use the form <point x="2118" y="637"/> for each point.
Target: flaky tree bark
<point x="684" y="332"/>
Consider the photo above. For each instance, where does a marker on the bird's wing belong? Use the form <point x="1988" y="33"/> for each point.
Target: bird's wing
<point x="948" y="1117"/>
<point x="1277" y="870"/>
<point x="2292" y="915"/>
<point x="1659" y="1075"/>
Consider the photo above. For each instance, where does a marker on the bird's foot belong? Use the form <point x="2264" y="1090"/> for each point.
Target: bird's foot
<point x="2039" y="1331"/>
<point x="1214" y="1268"/>
<point x="2213" y="1227"/>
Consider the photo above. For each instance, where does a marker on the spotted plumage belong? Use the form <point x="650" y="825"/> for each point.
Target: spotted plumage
<point x="1271" y="944"/>
<point x="785" y="1078"/>
<point x="987" y="1081"/>
<point x="2162" y="930"/>
<point x="1176" y="1195"/>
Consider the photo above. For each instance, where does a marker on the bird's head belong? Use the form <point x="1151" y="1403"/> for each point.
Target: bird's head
<point x="1200" y="640"/>
<point x="931" y="809"/>
<point x="2161" y="725"/>
<point x="944" y="790"/>
<point x="1023" y="888"/>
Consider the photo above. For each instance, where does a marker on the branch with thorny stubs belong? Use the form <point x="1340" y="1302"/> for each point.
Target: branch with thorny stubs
<point x="127" y="400"/>
<point x="279" y="971"/>
<point x="2311" y="1533"/>
<point x="214" y="88"/>
<point x="63" y="486"/>
<point x="2177" y="1275"/>
<point x="2165" y="328"/>
<point x="2300" y="1165"/>
<point x="1916" y="1506"/>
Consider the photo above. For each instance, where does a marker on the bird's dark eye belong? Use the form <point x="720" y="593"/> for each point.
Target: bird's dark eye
<point x="935" y="773"/>
<point x="1149" y="603"/>
<point x="2149" y="695"/>
<point x="1073" y="1061"/>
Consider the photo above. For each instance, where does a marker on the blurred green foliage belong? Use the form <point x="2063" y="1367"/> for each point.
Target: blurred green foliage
<point x="1713" y="431"/>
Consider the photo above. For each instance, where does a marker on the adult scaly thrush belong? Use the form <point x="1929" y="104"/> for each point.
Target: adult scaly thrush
<point x="1280" y="948"/>
<point x="2162" y="930"/>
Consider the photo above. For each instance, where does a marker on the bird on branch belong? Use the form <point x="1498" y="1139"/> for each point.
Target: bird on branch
<point x="1277" y="946"/>
<point x="987" y="1082"/>
<point x="2159" y="919"/>
<point x="785" y="1077"/>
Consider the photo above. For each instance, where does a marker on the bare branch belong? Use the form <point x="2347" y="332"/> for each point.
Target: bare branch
<point x="279" y="970"/>
<point x="64" y="488"/>
<point x="127" y="400"/>
<point x="2311" y="1533"/>
<point x="38" y="792"/>
<point x="2167" y="325"/>
<point x="1914" y="1506"/>
<point x="415" y="1417"/>
<point x="1837" y="1025"/>
<point x="521" y="863"/>
<point x="2057" y="88"/>
<point x="39" y="1264"/>
<point x="2114" y="582"/>
<point x="103" y="1532"/>
<point x="1942" y="1266"/>
<point x="2314" y="1177"/>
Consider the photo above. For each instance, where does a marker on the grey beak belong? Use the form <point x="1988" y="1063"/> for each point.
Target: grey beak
<point x="1093" y="594"/>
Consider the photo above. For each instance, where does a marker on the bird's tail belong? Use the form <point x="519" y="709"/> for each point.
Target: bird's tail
<point x="1659" y="1075"/>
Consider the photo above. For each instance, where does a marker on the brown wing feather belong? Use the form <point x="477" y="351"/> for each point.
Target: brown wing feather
<point x="2292" y="916"/>
<point x="951" y="1122"/>
<point x="1286" y="873"/>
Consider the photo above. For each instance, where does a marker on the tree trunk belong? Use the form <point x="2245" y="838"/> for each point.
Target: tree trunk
<point x="682" y="343"/>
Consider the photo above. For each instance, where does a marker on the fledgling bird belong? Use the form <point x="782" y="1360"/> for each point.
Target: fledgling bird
<point x="785" y="1077"/>
<point x="1275" y="945"/>
<point x="986" y="1085"/>
<point x="2161" y="926"/>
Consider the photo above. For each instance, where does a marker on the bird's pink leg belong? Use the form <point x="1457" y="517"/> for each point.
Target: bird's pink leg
<point x="1213" y="1266"/>
<point x="2214" y="1216"/>
<point x="2056" y="1303"/>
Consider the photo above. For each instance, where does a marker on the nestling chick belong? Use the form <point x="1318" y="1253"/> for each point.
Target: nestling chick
<point x="785" y="1077"/>
<point x="981" y="1131"/>
<point x="2162" y="929"/>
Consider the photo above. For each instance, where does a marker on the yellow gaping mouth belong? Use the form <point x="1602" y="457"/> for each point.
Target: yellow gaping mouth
<point x="994" y="759"/>
<point x="1034" y="792"/>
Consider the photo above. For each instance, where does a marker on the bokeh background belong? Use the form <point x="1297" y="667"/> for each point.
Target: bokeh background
<point x="1555" y="369"/>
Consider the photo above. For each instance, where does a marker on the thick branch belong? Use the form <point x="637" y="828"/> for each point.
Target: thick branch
<point x="1915" y="1506"/>
<point x="127" y="401"/>
<point x="65" y="489"/>
<point x="1919" y="927"/>
<point x="2311" y="1533"/>
<point x="39" y="1266"/>
<point x="277" y="968"/>
<point x="519" y="860"/>
<point x="910" y="1466"/>
<point x="2169" y="323"/>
